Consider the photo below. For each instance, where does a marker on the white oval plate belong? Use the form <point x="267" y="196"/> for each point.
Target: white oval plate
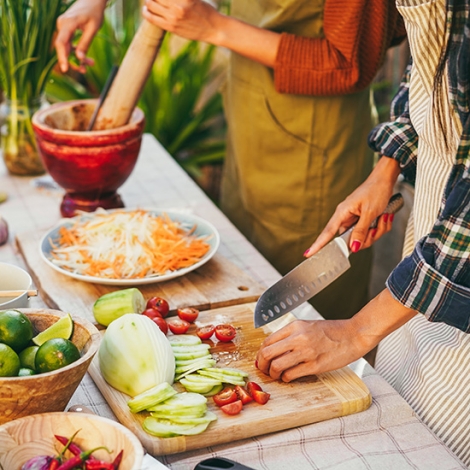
<point x="203" y="228"/>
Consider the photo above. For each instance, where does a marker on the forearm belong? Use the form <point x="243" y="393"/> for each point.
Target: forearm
<point x="380" y="317"/>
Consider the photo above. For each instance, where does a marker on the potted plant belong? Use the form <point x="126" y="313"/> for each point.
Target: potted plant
<point x="27" y="56"/>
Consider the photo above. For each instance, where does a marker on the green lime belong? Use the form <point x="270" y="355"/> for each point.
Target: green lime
<point x="25" y="372"/>
<point x="55" y="354"/>
<point x="9" y="361"/>
<point x="62" y="328"/>
<point x="27" y="357"/>
<point x="16" y="329"/>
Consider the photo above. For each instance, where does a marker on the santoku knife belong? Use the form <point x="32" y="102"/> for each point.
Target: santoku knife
<point x="311" y="276"/>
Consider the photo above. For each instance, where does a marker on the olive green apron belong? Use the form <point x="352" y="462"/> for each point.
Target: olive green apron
<point x="291" y="159"/>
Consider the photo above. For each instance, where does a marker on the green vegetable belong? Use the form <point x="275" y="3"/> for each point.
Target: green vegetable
<point x="115" y="304"/>
<point x="151" y="397"/>
<point x="135" y="355"/>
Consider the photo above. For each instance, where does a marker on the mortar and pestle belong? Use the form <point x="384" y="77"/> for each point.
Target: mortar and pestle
<point x="92" y="164"/>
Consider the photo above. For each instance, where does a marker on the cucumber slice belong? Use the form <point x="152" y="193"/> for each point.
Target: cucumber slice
<point x="229" y="371"/>
<point x="164" y="428"/>
<point x="188" y="362"/>
<point x="190" y="348"/>
<point x="214" y="390"/>
<point x="182" y="401"/>
<point x="115" y="304"/>
<point x="151" y="397"/>
<point x="225" y="378"/>
<point x="184" y="340"/>
<point x="207" y="418"/>
<point x="197" y="388"/>
<point x="200" y="379"/>
<point x="196" y="365"/>
<point x="191" y="355"/>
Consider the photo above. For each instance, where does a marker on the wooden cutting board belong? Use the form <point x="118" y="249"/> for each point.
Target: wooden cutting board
<point x="304" y="401"/>
<point x="215" y="284"/>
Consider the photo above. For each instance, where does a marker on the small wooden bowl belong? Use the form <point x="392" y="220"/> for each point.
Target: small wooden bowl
<point x="31" y="436"/>
<point x="50" y="391"/>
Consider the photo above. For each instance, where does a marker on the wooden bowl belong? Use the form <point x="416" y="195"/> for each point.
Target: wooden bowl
<point x="50" y="391"/>
<point x="28" y="437"/>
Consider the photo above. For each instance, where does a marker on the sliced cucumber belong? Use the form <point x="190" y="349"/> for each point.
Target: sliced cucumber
<point x="229" y="371"/>
<point x="165" y="428"/>
<point x="196" y="365"/>
<point x="200" y="379"/>
<point x="191" y="355"/>
<point x="214" y="390"/>
<point x="151" y="397"/>
<point x="207" y="418"/>
<point x="184" y="340"/>
<point x="225" y="378"/>
<point x="197" y="388"/>
<point x="188" y="362"/>
<point x="190" y="348"/>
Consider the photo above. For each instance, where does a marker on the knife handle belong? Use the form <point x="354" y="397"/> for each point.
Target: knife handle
<point x="395" y="203"/>
<point x="218" y="463"/>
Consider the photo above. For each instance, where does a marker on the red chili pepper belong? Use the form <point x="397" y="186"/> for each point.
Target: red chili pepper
<point x="79" y="459"/>
<point x="72" y="447"/>
<point x="98" y="465"/>
<point x="117" y="460"/>
<point x="54" y="465"/>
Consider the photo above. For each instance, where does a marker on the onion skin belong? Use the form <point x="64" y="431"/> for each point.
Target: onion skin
<point x="41" y="462"/>
<point x="4" y="233"/>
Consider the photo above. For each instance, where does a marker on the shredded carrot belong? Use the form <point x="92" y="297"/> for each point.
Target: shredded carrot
<point x="126" y="245"/>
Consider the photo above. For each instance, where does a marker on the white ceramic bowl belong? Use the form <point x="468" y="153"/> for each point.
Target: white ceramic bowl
<point x="14" y="278"/>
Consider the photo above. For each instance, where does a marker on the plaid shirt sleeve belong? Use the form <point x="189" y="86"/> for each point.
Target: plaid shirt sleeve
<point x="397" y="138"/>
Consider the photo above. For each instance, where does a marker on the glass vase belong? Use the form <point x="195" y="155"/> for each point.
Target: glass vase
<point x="19" y="149"/>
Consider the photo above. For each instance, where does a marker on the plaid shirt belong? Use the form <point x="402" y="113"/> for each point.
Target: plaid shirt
<point x="435" y="278"/>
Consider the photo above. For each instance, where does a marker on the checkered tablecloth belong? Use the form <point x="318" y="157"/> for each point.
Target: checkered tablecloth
<point x="386" y="436"/>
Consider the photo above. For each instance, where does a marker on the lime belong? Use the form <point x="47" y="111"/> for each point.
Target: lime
<point x="16" y="329"/>
<point x="25" y="372"/>
<point x="55" y="354"/>
<point x="27" y="357"/>
<point x="9" y="361"/>
<point x="62" y="328"/>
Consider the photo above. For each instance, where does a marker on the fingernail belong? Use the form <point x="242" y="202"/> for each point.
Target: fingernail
<point x="256" y="364"/>
<point x="392" y="216"/>
<point x="80" y="54"/>
<point x="385" y="217"/>
<point x="356" y="244"/>
<point x="306" y="251"/>
<point x="374" y="232"/>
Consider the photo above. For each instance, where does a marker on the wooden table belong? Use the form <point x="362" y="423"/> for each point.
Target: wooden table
<point x="386" y="436"/>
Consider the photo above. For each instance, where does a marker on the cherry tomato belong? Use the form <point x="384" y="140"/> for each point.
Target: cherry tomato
<point x="188" y="314"/>
<point x="225" y="333"/>
<point x="232" y="408"/>
<point x="159" y="304"/>
<point x="251" y="386"/>
<point x="151" y="313"/>
<point x="178" y="326"/>
<point x="205" y="332"/>
<point x="161" y="323"/>
<point x="243" y="394"/>
<point x="225" y="396"/>
<point x="260" y="397"/>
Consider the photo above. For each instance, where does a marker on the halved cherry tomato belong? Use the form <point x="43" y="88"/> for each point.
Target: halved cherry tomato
<point x="232" y="408"/>
<point x="225" y="396"/>
<point x="162" y="324"/>
<point x="159" y="304"/>
<point x="260" y="397"/>
<point x="188" y="314"/>
<point x="251" y="386"/>
<point x="178" y="326"/>
<point x="225" y="332"/>
<point x="205" y="332"/>
<point x="151" y="313"/>
<point x="243" y="395"/>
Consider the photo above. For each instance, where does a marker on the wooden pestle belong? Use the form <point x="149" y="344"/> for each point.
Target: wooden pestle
<point x="130" y="79"/>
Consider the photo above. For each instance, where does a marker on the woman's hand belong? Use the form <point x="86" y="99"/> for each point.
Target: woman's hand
<point x="190" y="19"/>
<point x="311" y="347"/>
<point x="86" y="16"/>
<point x="362" y="207"/>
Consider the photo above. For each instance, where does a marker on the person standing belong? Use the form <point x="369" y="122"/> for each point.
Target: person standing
<point x="422" y="318"/>
<point x="298" y="107"/>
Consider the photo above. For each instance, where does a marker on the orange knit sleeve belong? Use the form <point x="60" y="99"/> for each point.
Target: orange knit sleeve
<point x="346" y="59"/>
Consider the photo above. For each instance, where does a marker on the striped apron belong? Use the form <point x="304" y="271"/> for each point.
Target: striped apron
<point x="429" y="363"/>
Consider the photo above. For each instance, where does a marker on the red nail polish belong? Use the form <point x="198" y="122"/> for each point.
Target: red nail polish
<point x="356" y="244"/>
<point x="385" y="217"/>
<point x="392" y="216"/>
<point x="374" y="232"/>
<point x="306" y="251"/>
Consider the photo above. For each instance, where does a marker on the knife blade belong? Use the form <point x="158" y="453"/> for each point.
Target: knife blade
<point x="311" y="276"/>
